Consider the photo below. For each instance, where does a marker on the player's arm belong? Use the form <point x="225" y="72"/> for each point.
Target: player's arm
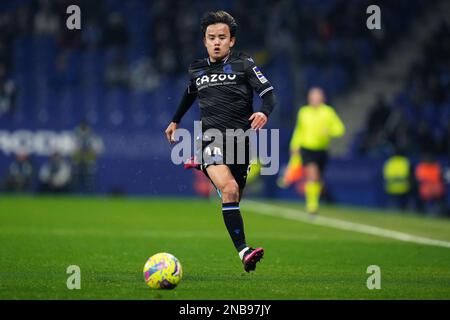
<point x="337" y="128"/>
<point x="269" y="102"/>
<point x="186" y="102"/>
<point x="259" y="119"/>
<point x="294" y="145"/>
<point x="264" y="89"/>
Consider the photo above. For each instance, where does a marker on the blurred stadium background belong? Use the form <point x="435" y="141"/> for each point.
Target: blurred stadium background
<point x="124" y="72"/>
<point x="84" y="113"/>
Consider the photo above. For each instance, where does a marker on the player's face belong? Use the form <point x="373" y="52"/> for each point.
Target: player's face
<point x="315" y="97"/>
<point x="218" y="41"/>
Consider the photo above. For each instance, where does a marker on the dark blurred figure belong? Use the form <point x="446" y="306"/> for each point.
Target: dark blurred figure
<point x="143" y="75"/>
<point x="429" y="176"/>
<point x="425" y="139"/>
<point x="92" y="34"/>
<point x="444" y="144"/>
<point x="46" y="21"/>
<point x="116" y="73"/>
<point x="20" y="174"/>
<point x="397" y="174"/>
<point x="398" y="131"/>
<point x="378" y="116"/>
<point x="55" y="175"/>
<point x="376" y="134"/>
<point x="401" y="137"/>
<point x="116" y="34"/>
<point x="84" y="158"/>
<point x="7" y="93"/>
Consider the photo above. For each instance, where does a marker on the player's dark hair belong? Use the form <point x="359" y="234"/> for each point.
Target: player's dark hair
<point x="212" y="17"/>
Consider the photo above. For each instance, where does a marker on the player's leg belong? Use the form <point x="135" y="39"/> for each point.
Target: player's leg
<point x="312" y="187"/>
<point x="312" y="164"/>
<point x="249" y="256"/>
<point x="224" y="180"/>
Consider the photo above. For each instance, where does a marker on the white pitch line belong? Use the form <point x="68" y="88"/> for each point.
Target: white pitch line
<point x="293" y="214"/>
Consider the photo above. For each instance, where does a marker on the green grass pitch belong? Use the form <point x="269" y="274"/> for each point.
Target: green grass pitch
<point x="110" y="240"/>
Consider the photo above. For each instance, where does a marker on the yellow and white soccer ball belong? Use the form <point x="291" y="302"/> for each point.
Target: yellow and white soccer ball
<point x="162" y="271"/>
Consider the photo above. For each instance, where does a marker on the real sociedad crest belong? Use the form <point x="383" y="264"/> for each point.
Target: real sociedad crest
<point x="227" y="69"/>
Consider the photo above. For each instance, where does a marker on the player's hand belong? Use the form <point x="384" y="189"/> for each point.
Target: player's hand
<point x="258" y="120"/>
<point x="170" y="132"/>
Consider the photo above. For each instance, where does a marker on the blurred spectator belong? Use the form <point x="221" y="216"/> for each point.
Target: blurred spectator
<point x="116" y="34"/>
<point x="5" y="55"/>
<point x="143" y="76"/>
<point x="116" y="74"/>
<point x="92" y="34"/>
<point x="7" y="35"/>
<point x="55" y="175"/>
<point x="428" y="174"/>
<point x="376" y="130"/>
<point x="166" y="60"/>
<point x="20" y="174"/>
<point x="23" y="19"/>
<point x="397" y="180"/>
<point x="445" y="141"/>
<point x="400" y="136"/>
<point x="378" y="116"/>
<point x="85" y="158"/>
<point x="7" y="92"/>
<point x="46" y="22"/>
<point x="425" y="139"/>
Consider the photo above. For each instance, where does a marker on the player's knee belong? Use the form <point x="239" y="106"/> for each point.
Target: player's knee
<point x="312" y="172"/>
<point x="231" y="190"/>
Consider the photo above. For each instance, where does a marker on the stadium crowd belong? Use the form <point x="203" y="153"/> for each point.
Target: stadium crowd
<point x="413" y="131"/>
<point x="57" y="173"/>
<point x="418" y="120"/>
<point x="146" y="46"/>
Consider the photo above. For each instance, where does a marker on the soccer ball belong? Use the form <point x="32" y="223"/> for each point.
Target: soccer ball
<point x="162" y="271"/>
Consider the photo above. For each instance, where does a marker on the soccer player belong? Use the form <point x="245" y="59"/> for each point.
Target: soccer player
<point x="224" y="83"/>
<point x="316" y="124"/>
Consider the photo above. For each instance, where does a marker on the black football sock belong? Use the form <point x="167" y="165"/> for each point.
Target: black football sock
<point x="235" y="225"/>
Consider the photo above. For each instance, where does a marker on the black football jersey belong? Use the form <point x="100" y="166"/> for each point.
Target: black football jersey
<point x="225" y="90"/>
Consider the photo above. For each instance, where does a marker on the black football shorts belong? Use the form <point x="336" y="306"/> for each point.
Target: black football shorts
<point x="318" y="157"/>
<point x="216" y="152"/>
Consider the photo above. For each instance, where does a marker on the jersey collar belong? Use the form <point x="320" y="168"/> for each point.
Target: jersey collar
<point x="223" y="61"/>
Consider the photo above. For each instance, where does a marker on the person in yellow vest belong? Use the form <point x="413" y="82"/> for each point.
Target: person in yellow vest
<point x="317" y="124"/>
<point x="397" y="179"/>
